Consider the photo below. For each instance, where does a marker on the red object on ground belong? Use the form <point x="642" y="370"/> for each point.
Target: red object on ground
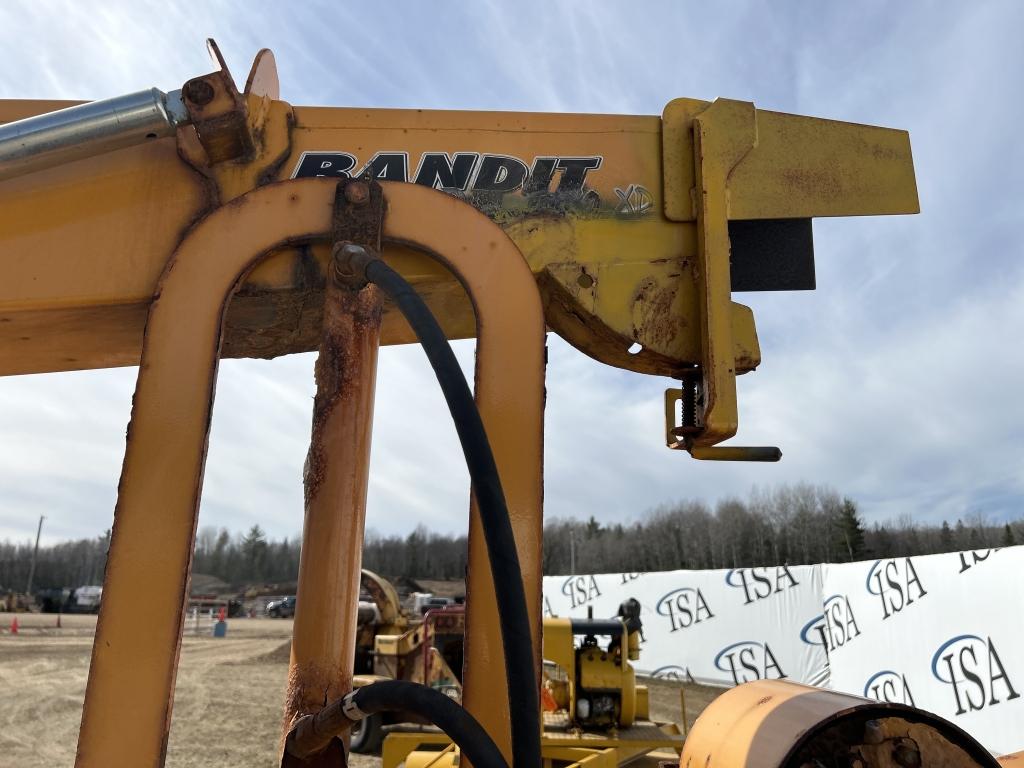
<point x="547" y="700"/>
<point x="220" y="614"/>
<point x="14" y="625"/>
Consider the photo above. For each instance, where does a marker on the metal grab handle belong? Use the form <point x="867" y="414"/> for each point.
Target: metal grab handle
<point x="680" y="436"/>
<point x="736" y="453"/>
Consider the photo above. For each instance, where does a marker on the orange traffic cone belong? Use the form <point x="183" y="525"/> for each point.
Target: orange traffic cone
<point x="14" y="625"/>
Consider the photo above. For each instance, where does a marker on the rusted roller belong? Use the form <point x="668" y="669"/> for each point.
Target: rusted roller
<point x="779" y="724"/>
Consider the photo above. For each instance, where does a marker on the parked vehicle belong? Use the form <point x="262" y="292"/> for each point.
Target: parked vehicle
<point x="86" y="599"/>
<point x="423" y="602"/>
<point x="282" y="609"/>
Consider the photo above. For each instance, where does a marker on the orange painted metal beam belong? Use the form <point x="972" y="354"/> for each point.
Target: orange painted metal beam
<point x="336" y="479"/>
<point x="131" y="680"/>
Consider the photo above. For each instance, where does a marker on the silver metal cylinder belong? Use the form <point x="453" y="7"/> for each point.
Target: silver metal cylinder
<point x="87" y="130"/>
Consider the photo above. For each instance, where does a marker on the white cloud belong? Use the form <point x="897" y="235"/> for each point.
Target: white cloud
<point x="896" y="381"/>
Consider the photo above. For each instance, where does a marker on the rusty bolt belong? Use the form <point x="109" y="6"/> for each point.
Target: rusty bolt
<point x="349" y="262"/>
<point x="199" y="92"/>
<point x="357" y="192"/>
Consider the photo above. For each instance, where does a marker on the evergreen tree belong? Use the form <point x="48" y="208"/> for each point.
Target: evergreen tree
<point x="974" y="539"/>
<point x="960" y="537"/>
<point x="1008" y="539"/>
<point x="254" y="552"/>
<point x="946" y="537"/>
<point x="850" y="531"/>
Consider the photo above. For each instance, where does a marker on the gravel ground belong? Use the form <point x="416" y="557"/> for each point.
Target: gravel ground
<point x="227" y="706"/>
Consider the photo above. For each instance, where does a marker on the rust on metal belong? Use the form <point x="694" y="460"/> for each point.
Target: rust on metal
<point x="347" y="318"/>
<point x="218" y="113"/>
<point x="359" y="213"/>
<point x="781" y="724"/>
<point x="589" y="334"/>
<point x="132" y="672"/>
<point x="652" y="312"/>
<point x="138" y="635"/>
<point x="336" y="476"/>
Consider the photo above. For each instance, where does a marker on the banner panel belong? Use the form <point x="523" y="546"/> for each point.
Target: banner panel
<point x="939" y="632"/>
<point x="714" y="627"/>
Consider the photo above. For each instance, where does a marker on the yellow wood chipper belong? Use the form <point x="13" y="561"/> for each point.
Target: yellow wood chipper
<point x="168" y="230"/>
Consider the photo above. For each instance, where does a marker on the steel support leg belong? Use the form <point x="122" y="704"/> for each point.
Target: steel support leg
<point x="336" y="476"/>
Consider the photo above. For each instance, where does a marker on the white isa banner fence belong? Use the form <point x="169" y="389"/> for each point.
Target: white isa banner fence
<point x="941" y="632"/>
<point x="710" y="627"/>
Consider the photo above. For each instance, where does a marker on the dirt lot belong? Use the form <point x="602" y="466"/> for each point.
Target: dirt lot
<point x="227" y="706"/>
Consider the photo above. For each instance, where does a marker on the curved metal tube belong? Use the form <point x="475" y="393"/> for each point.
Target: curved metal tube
<point x="131" y="679"/>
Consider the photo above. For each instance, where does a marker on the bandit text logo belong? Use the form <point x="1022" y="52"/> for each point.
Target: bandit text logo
<point x="749" y="660"/>
<point x="889" y="686"/>
<point x="580" y="590"/>
<point x="684" y="607"/>
<point x="759" y="583"/>
<point x="973" y="669"/>
<point x="458" y="172"/>
<point x="896" y="584"/>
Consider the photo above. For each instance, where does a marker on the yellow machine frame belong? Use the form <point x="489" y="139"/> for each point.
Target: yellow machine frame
<point x="183" y="250"/>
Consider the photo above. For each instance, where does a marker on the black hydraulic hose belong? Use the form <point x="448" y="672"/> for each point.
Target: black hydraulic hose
<point x="429" y="703"/>
<point x="313" y="734"/>
<point x="524" y="698"/>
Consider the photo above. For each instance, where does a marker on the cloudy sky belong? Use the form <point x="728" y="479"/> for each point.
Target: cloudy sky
<point x="897" y="382"/>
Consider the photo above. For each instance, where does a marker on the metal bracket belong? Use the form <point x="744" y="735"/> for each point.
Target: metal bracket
<point x="723" y="134"/>
<point x="218" y="112"/>
<point x="356" y="227"/>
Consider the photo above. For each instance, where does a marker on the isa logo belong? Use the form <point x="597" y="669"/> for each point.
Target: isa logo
<point x="834" y="628"/>
<point x="580" y="590"/>
<point x="814" y="632"/>
<point x="840" y="623"/>
<point x="759" y="583"/>
<point x="684" y="607"/>
<point x="548" y="611"/>
<point x="673" y="672"/>
<point x="970" y="559"/>
<point x="971" y="666"/>
<point x="749" y="660"/>
<point x="628" y="577"/>
<point x="896" y="584"/>
<point x="889" y="686"/>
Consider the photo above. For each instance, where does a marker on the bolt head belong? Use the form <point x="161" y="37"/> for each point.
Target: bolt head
<point x="199" y="92"/>
<point x="357" y="192"/>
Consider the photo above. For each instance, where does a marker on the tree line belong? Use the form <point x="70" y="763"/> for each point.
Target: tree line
<point x="793" y="525"/>
<point x="800" y="524"/>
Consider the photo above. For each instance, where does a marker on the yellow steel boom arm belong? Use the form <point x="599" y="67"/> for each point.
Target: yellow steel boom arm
<point x="626" y="223"/>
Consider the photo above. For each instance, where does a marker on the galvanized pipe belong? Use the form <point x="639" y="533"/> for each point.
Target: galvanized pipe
<point x="336" y="480"/>
<point x="87" y="130"/>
